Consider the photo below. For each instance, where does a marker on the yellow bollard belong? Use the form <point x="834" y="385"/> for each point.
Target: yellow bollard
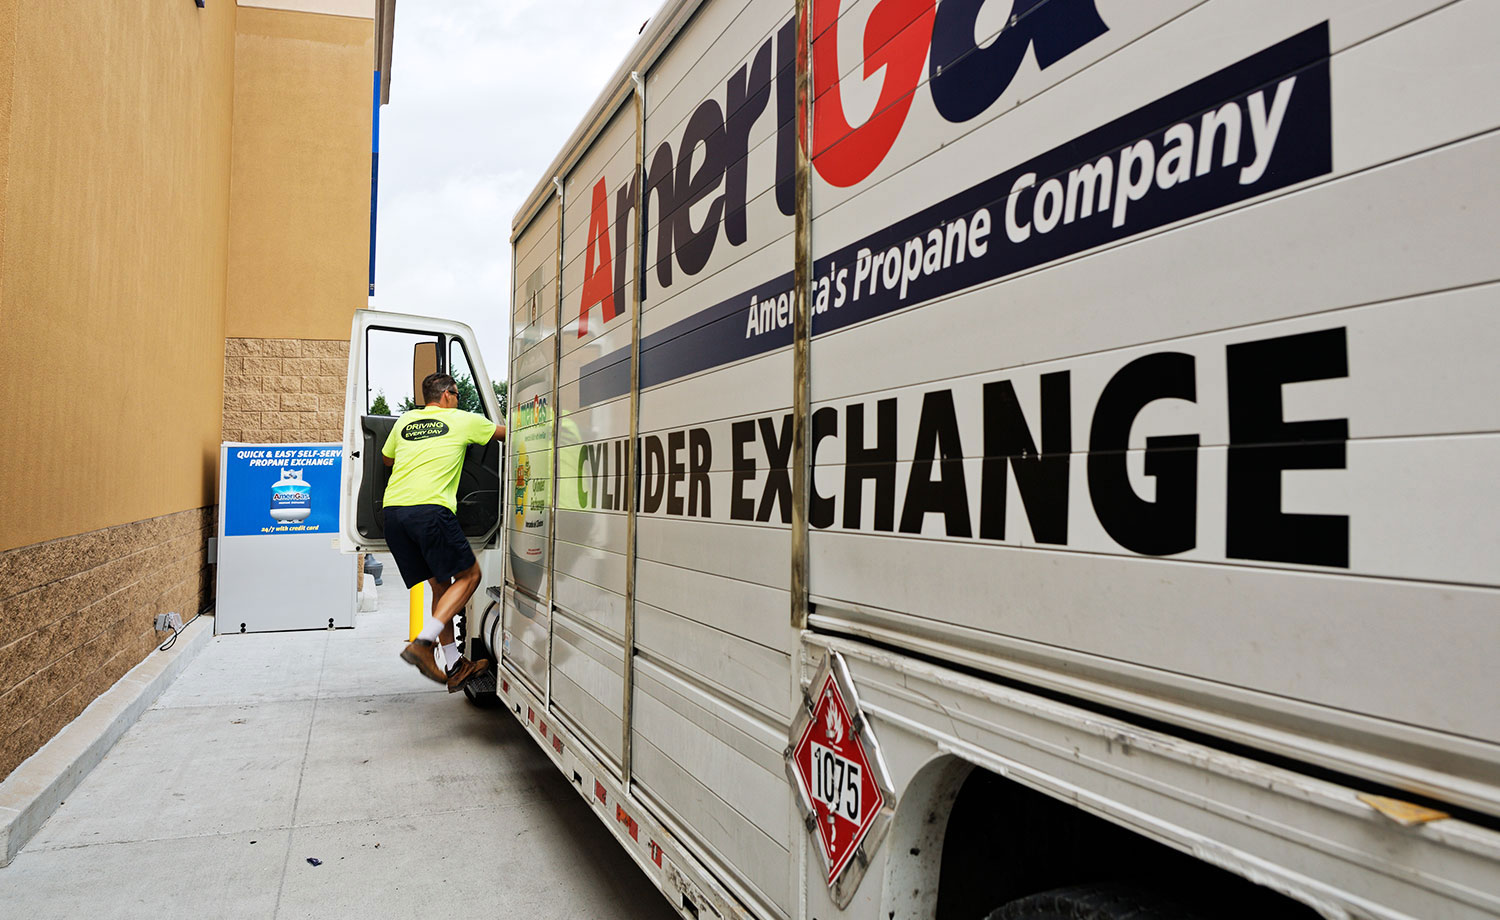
<point x="418" y="614"/>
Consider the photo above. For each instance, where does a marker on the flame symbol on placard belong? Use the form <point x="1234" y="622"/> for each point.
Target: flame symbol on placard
<point x="833" y="724"/>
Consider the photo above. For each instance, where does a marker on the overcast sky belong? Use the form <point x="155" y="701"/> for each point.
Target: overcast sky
<point x="483" y="95"/>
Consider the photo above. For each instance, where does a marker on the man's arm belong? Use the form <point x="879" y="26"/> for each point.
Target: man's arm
<point x="499" y="433"/>
<point x="388" y="460"/>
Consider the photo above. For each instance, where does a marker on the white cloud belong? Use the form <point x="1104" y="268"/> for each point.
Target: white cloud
<point x="483" y="96"/>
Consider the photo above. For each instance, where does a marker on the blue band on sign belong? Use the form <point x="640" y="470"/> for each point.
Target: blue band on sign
<point x="281" y="489"/>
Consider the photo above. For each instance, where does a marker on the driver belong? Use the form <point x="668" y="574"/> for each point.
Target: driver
<point x="426" y="452"/>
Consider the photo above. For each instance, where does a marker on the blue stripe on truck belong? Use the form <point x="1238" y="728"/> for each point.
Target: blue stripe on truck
<point x="1033" y="213"/>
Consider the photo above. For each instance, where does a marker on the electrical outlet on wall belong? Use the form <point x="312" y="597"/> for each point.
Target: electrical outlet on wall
<point x="166" y="621"/>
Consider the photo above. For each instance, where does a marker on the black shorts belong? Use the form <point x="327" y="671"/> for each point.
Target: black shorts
<point x="427" y="542"/>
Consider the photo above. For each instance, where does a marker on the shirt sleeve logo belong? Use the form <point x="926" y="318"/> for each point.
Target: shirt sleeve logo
<point x="423" y="429"/>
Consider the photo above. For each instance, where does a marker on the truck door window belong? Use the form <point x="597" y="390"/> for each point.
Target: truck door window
<point x="469" y="399"/>
<point x="389" y="388"/>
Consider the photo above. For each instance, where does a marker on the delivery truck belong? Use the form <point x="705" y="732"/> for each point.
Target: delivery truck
<point x="1007" y="458"/>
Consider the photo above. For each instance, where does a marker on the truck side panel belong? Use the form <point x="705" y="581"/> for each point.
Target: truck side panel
<point x="588" y="653"/>
<point x="1151" y="364"/>
<point x="527" y="617"/>
<point x="714" y="691"/>
<point x="1012" y="508"/>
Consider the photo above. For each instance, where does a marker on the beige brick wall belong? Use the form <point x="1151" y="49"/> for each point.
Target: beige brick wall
<point x="78" y="612"/>
<point x="284" y="389"/>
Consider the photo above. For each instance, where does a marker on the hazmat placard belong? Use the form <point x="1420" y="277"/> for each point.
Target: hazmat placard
<point x="843" y="787"/>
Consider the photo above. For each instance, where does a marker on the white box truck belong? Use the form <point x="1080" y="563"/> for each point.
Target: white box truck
<point x="1014" y="458"/>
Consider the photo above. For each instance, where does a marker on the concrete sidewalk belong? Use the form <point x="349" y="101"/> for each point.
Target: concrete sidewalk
<point x="275" y="748"/>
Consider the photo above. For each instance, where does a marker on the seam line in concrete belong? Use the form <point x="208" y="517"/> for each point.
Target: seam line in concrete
<point x="229" y="704"/>
<point x="376" y="696"/>
<point x="280" y="828"/>
<point x="301" y="776"/>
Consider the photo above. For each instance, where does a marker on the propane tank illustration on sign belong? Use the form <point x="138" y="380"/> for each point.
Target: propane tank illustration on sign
<point x="291" y="498"/>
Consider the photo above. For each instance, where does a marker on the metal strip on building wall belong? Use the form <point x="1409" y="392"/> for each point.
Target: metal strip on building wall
<point x="552" y="409"/>
<point x="627" y="707"/>
<point x="801" y="326"/>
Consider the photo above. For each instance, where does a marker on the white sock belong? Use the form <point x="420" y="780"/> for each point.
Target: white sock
<point x="431" y="630"/>
<point x="450" y="653"/>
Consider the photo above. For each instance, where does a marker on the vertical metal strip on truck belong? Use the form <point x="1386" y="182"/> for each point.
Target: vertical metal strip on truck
<point x="552" y="488"/>
<point x="801" y="325"/>
<point x="632" y="466"/>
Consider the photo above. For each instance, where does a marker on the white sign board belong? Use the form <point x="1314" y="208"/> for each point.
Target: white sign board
<point x="279" y="563"/>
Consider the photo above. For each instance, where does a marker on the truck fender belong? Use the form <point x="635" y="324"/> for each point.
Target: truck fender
<point x="914" y="846"/>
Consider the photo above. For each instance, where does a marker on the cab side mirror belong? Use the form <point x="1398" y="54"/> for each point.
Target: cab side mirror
<point x="424" y="361"/>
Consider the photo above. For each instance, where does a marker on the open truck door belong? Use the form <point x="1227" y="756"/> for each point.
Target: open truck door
<point x="389" y="354"/>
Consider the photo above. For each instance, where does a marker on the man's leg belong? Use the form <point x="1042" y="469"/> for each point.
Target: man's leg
<point x="447" y="600"/>
<point x="407" y="550"/>
<point x="450" y="546"/>
<point x="444" y="609"/>
<point x="438" y="588"/>
<point x="454" y="597"/>
<point x="450" y="653"/>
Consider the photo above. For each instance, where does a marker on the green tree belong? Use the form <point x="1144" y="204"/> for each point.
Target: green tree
<point x="468" y="394"/>
<point x="380" y="406"/>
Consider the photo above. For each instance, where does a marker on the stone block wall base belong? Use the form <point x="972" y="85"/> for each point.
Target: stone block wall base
<point x="284" y="390"/>
<point x="78" y="612"/>
<point x="35" y="789"/>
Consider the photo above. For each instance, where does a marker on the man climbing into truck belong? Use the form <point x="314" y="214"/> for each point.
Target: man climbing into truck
<point x="426" y="452"/>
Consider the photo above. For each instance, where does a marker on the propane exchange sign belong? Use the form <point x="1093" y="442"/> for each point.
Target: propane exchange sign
<point x="843" y="788"/>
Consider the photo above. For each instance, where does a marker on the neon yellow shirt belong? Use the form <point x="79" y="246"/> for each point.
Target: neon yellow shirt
<point x="428" y="447"/>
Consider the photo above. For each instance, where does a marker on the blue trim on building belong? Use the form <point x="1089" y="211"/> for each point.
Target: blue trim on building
<point x="374" y="176"/>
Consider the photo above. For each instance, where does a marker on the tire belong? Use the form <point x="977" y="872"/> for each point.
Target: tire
<point x="1092" y="902"/>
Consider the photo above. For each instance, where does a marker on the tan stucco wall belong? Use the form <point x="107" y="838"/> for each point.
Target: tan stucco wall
<point x="300" y="196"/>
<point x="7" y="71"/>
<point x="113" y="250"/>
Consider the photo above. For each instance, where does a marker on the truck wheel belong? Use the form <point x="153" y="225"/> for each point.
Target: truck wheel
<point x="1091" y="902"/>
<point x="480" y="690"/>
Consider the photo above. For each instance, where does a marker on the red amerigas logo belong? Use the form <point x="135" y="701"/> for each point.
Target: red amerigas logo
<point x="964" y="79"/>
<point x="895" y="39"/>
<point x="599" y="278"/>
<point x="836" y="776"/>
<point x="696" y="184"/>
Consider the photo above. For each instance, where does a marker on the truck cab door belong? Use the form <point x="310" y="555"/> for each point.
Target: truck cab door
<point x="389" y="354"/>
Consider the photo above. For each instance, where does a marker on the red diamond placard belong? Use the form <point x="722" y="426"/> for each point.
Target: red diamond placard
<point x="836" y="775"/>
